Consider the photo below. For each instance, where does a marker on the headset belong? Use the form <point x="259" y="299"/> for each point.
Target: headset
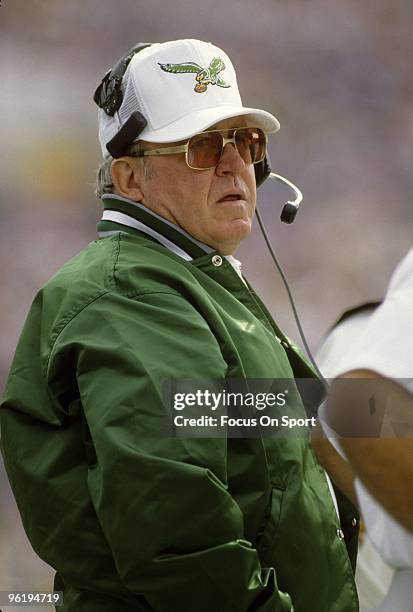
<point x="108" y="96"/>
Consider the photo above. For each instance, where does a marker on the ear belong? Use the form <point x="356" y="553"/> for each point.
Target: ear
<point x="127" y="178"/>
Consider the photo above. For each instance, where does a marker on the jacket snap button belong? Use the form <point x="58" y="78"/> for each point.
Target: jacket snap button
<point x="354" y="522"/>
<point x="217" y="260"/>
<point x="340" y="534"/>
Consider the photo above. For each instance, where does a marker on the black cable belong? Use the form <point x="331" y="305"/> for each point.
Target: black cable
<point x="290" y="297"/>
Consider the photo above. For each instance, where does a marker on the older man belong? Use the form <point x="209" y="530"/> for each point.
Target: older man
<point x="132" y="519"/>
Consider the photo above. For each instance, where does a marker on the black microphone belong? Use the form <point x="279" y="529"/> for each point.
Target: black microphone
<point x="290" y="209"/>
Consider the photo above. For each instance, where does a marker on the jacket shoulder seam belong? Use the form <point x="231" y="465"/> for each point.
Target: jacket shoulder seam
<point x="111" y="275"/>
<point x="137" y="294"/>
<point x="71" y="315"/>
<point x="68" y="318"/>
<point x="110" y="284"/>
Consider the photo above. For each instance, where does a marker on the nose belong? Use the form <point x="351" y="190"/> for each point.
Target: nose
<point x="231" y="161"/>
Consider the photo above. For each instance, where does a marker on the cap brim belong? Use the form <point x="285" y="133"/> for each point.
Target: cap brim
<point x="200" y="120"/>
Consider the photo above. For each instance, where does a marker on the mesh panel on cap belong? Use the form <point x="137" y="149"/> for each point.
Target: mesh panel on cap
<point x="131" y="101"/>
<point x="108" y="126"/>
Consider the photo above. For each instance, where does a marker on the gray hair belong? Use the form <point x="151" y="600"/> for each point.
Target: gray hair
<point x="104" y="182"/>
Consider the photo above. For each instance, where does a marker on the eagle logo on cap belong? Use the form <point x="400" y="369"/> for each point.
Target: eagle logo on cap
<point x="204" y="76"/>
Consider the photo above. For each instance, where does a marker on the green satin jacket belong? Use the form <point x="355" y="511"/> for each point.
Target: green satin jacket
<point x="134" y="521"/>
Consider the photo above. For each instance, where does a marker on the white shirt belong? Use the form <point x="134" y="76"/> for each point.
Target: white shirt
<point x="385" y="346"/>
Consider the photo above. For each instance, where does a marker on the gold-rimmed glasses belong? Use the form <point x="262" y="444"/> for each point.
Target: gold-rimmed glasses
<point x="204" y="150"/>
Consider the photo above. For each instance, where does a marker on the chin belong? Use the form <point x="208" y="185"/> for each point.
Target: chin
<point x="229" y="241"/>
<point x="240" y="228"/>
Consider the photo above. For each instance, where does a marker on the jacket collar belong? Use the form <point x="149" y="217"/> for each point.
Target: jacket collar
<point x="123" y="215"/>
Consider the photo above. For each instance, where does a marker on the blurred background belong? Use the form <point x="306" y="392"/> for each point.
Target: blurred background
<point x="338" y="75"/>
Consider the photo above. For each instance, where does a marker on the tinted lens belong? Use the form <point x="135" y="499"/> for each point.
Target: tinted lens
<point x="251" y="144"/>
<point x="204" y="150"/>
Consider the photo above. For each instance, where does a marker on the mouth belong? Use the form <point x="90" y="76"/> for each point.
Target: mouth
<point x="233" y="196"/>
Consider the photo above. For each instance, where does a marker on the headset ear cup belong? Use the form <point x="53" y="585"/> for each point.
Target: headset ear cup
<point x="262" y="171"/>
<point x="108" y="94"/>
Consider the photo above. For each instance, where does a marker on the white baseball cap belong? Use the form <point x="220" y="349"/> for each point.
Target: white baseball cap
<point x="181" y="87"/>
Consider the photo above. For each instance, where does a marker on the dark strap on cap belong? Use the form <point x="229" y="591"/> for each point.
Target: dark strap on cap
<point x="108" y="94"/>
<point x="129" y="131"/>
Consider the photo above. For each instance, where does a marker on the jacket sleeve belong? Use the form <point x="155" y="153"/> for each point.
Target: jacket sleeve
<point x="175" y="532"/>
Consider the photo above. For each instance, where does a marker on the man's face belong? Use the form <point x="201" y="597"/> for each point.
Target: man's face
<point x="216" y="206"/>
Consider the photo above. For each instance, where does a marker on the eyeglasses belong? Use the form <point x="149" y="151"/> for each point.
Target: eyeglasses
<point x="204" y="150"/>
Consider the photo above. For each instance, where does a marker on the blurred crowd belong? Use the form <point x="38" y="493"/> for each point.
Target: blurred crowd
<point x="338" y="75"/>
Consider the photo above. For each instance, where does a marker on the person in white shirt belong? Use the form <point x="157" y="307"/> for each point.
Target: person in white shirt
<point x="373" y="575"/>
<point x="373" y="416"/>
